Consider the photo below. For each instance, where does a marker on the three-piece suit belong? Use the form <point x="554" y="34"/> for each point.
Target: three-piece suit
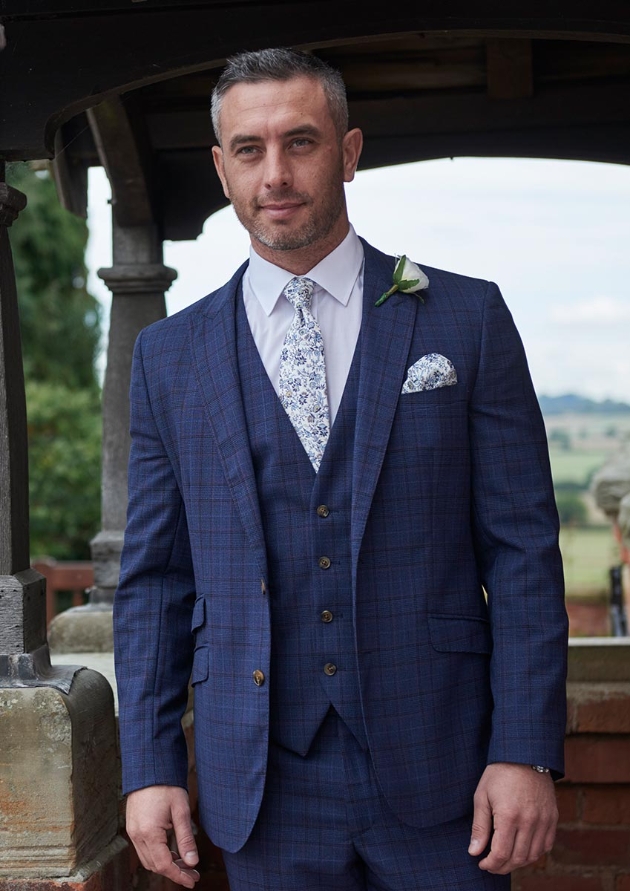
<point x="414" y="583"/>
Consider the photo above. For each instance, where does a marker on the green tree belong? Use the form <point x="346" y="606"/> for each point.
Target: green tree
<point x="60" y="324"/>
<point x="571" y="508"/>
<point x="64" y="433"/>
<point x="59" y="318"/>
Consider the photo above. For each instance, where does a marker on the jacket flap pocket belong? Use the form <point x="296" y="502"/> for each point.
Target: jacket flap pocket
<point x="199" y="613"/>
<point x="200" y="665"/>
<point x="460" y="634"/>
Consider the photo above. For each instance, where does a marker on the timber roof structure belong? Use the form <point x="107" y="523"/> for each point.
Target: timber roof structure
<point x="127" y="85"/>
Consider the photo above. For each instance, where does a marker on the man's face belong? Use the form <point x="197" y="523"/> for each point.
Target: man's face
<point x="282" y="165"/>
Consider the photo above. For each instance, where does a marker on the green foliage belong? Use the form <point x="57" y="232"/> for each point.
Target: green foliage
<point x="64" y="432"/>
<point x="60" y="319"/>
<point x="60" y="325"/>
<point x="587" y="555"/>
<point x="575" y="466"/>
<point x="561" y="439"/>
<point x="571" y="508"/>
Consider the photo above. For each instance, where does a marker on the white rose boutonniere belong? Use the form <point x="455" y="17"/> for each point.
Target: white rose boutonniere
<point x="408" y="278"/>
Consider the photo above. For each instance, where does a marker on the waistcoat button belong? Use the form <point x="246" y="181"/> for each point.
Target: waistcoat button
<point x="259" y="678"/>
<point x="322" y="511"/>
<point x="324" y="562"/>
<point x="330" y="669"/>
<point x="326" y="616"/>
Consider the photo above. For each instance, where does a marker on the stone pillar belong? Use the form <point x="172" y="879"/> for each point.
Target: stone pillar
<point x="138" y="281"/>
<point x="58" y="779"/>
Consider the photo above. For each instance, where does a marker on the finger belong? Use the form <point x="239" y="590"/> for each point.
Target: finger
<point x="164" y="865"/>
<point x="500" y="854"/>
<point x="481" y="825"/>
<point x="523" y="850"/>
<point x="177" y="860"/>
<point x="183" y="829"/>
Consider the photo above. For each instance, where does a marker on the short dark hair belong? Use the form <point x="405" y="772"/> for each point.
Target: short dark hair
<point x="282" y="64"/>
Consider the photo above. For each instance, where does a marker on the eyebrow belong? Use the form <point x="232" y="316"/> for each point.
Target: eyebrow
<point x="303" y="130"/>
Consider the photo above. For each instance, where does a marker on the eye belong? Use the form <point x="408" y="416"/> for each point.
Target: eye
<point x="247" y="150"/>
<point x="302" y="141"/>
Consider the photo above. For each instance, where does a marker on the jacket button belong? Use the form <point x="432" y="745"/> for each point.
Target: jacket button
<point x="326" y="616"/>
<point x="330" y="669"/>
<point x="322" y="511"/>
<point x="259" y="678"/>
<point x="324" y="562"/>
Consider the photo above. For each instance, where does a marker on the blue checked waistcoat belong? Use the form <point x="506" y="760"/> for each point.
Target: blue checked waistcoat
<point x="450" y="494"/>
<point x="297" y="537"/>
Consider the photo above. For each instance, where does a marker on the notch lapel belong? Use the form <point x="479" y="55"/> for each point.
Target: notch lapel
<point x="213" y="340"/>
<point x="386" y="333"/>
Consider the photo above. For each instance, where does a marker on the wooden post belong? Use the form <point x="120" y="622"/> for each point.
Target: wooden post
<point x="24" y="656"/>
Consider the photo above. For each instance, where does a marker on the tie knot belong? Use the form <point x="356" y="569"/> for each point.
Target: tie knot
<point x="299" y="292"/>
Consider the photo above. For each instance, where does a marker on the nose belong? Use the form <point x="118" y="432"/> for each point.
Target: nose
<point x="277" y="170"/>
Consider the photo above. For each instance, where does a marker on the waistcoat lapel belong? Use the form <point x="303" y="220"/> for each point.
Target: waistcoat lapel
<point x="386" y="333"/>
<point x="213" y="338"/>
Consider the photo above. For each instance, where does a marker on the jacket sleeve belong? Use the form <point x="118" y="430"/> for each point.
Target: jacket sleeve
<point x="515" y="526"/>
<point x="153" y="606"/>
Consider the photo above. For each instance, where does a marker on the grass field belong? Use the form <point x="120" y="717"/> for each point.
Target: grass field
<point x="587" y="554"/>
<point x="575" y="466"/>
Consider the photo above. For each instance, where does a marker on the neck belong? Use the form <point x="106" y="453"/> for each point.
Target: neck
<point x="302" y="260"/>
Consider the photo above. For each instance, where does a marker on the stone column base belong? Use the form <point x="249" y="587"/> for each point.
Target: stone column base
<point x="83" y="629"/>
<point x="110" y="871"/>
<point x="58" y="777"/>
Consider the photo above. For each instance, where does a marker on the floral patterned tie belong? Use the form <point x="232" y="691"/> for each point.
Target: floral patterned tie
<point x="303" y="373"/>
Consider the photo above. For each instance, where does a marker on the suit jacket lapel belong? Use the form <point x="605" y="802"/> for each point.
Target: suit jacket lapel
<point x="386" y="333"/>
<point x="215" y="353"/>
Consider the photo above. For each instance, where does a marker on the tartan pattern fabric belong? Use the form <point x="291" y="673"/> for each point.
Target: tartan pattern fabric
<point x="325" y="826"/>
<point x="451" y="491"/>
<point x="296" y="536"/>
<point x="302" y="381"/>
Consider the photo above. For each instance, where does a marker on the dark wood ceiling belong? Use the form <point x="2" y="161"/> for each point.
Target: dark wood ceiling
<point x="127" y="85"/>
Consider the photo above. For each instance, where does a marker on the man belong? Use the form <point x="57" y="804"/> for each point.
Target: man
<point x="321" y="489"/>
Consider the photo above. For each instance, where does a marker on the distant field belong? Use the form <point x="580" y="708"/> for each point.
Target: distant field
<point x="594" y="438"/>
<point x="583" y="426"/>
<point x="587" y="555"/>
<point x="575" y="466"/>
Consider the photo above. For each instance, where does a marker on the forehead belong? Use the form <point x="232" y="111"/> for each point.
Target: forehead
<point x="300" y="100"/>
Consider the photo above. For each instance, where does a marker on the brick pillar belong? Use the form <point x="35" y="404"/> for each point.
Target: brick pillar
<point x="592" y="849"/>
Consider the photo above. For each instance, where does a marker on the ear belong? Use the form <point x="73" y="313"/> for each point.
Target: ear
<point x="217" y="157"/>
<point x="351" y="148"/>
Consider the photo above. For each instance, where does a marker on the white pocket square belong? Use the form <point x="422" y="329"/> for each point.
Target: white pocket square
<point x="429" y="373"/>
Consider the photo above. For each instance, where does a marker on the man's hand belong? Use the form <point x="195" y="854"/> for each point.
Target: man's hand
<point x="520" y="805"/>
<point x="152" y="814"/>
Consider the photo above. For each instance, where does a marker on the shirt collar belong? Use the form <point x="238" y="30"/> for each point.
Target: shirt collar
<point x="336" y="273"/>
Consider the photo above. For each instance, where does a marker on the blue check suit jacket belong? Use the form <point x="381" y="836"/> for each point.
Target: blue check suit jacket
<point x="451" y="496"/>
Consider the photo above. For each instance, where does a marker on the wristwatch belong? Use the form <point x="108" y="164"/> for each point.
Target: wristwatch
<point x="539" y="768"/>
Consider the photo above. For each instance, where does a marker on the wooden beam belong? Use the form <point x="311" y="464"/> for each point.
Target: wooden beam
<point x="509" y="68"/>
<point x="125" y="159"/>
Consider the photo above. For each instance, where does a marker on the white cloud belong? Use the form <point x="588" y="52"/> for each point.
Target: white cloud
<point x="601" y="311"/>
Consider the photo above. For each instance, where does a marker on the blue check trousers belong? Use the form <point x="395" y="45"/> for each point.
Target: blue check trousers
<point x="325" y="826"/>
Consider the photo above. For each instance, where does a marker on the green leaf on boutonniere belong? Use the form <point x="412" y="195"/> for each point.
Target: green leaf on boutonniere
<point x="405" y="285"/>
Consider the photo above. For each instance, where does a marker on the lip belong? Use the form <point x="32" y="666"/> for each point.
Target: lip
<point x="282" y="210"/>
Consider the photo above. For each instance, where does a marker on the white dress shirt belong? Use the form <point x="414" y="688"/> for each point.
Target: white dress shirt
<point x="337" y="305"/>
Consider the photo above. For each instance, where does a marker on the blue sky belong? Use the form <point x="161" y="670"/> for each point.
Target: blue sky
<point x="555" y="236"/>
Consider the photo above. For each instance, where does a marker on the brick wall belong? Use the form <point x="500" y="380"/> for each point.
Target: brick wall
<point x="592" y="850"/>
